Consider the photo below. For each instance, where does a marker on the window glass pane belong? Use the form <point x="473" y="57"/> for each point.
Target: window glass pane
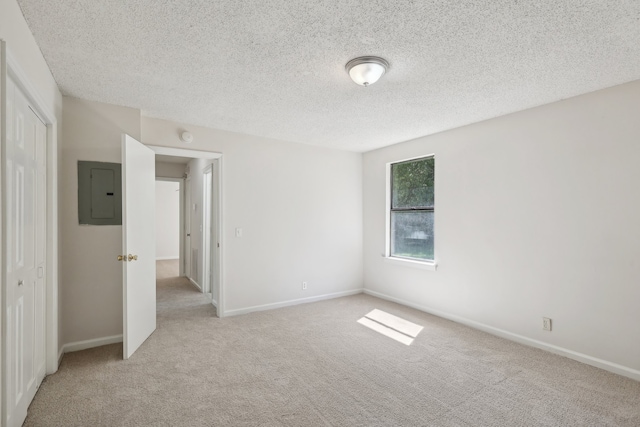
<point x="412" y="234"/>
<point x="412" y="183"/>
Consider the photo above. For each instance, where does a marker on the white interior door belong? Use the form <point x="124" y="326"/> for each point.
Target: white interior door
<point x="187" y="228"/>
<point x="206" y="232"/>
<point x="215" y="238"/>
<point x="138" y="243"/>
<point x="25" y="243"/>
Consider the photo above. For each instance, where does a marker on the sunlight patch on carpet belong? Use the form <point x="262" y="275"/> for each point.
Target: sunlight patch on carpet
<point x="391" y="326"/>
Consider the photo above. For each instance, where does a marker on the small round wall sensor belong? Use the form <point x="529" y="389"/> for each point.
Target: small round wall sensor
<point x="186" y="137"/>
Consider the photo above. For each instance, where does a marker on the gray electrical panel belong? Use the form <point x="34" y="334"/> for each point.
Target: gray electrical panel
<point x="99" y="193"/>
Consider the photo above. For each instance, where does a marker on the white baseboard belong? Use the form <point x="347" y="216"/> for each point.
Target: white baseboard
<point x="580" y="357"/>
<point x="60" y="356"/>
<point x="272" y="306"/>
<point x="194" y="283"/>
<point x="166" y="258"/>
<point x="97" y="342"/>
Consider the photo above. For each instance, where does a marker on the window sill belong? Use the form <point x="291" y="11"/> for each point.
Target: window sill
<point x="422" y="265"/>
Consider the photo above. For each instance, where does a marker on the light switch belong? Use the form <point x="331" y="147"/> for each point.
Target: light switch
<point x="238" y="232"/>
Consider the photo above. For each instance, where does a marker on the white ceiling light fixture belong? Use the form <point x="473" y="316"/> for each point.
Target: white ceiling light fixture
<point x="366" y="70"/>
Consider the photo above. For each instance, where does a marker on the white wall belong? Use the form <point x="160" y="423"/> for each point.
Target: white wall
<point x="300" y="208"/>
<point x="167" y="220"/>
<point x="536" y="215"/>
<point x="91" y="277"/>
<point x="22" y="47"/>
<point x="170" y="170"/>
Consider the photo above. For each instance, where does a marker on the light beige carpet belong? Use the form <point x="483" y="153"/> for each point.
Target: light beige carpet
<point x="314" y="365"/>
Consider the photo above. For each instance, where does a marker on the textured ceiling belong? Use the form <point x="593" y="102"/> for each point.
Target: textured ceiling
<point x="275" y="68"/>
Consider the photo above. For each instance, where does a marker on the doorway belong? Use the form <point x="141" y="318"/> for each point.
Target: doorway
<point x="140" y="285"/>
<point x="169" y="219"/>
<point x="200" y="238"/>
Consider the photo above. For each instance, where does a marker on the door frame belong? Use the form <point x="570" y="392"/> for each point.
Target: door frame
<point x="186" y="208"/>
<point x="181" y="219"/>
<point x="207" y="235"/>
<point x="10" y="68"/>
<point x="218" y="186"/>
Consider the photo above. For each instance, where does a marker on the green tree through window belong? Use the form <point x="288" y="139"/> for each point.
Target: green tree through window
<point x="412" y="209"/>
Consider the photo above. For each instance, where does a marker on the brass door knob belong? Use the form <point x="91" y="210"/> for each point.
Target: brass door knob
<point x="132" y="257"/>
<point x="122" y="258"/>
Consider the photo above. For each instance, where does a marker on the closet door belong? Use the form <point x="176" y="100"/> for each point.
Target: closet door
<point x="25" y="183"/>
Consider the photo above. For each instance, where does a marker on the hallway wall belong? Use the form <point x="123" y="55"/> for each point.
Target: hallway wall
<point x="170" y="170"/>
<point x="167" y="220"/>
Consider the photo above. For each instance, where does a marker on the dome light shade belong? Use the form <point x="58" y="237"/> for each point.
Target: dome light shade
<point x="366" y="70"/>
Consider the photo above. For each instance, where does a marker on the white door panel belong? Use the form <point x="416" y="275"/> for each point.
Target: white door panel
<point x="187" y="225"/>
<point x="25" y="245"/>
<point x="40" y="253"/>
<point x="138" y="239"/>
<point x="215" y="237"/>
<point x="206" y="232"/>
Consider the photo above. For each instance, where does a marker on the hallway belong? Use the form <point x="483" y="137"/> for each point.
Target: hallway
<point x="177" y="299"/>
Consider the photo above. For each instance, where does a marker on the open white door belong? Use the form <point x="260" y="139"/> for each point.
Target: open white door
<point x="138" y="244"/>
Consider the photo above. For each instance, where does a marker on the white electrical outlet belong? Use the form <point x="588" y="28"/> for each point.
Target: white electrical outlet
<point x="238" y="232"/>
<point x="546" y="324"/>
<point x="304" y="286"/>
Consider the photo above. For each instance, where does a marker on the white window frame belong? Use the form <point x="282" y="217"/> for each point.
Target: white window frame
<point x="424" y="265"/>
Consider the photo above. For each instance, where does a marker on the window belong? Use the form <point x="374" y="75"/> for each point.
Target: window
<point x="412" y="209"/>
